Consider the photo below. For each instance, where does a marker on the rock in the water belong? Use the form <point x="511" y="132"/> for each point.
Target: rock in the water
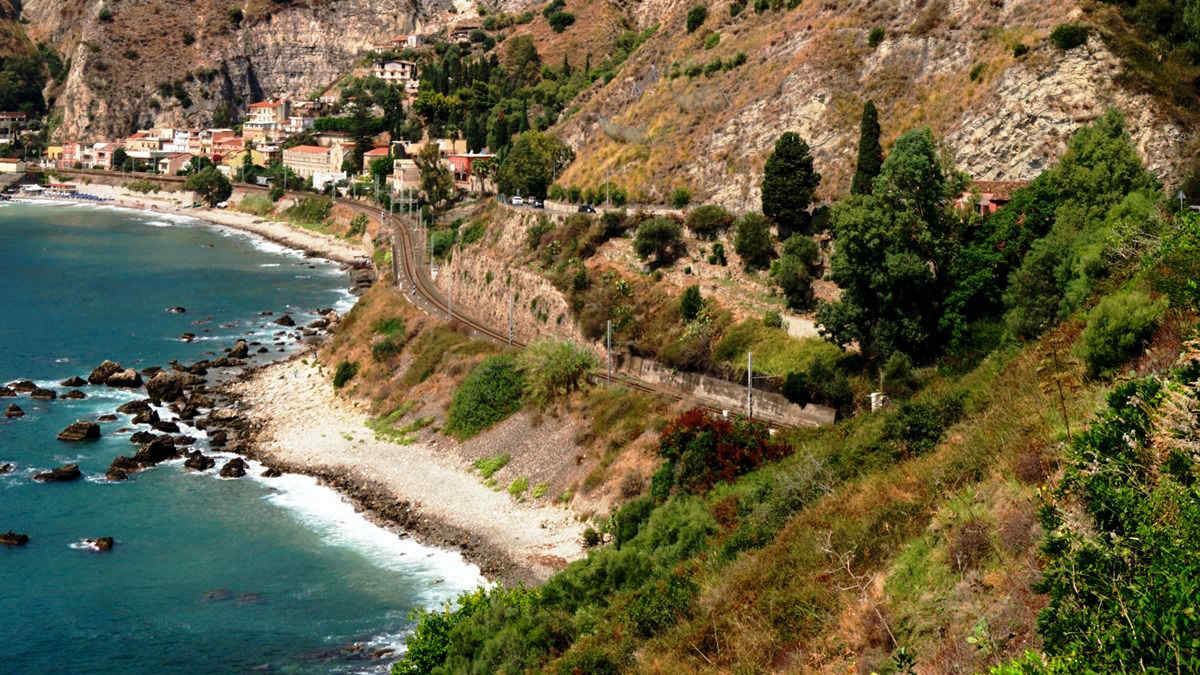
<point x="218" y="438"/>
<point x="23" y="386"/>
<point x="160" y="449"/>
<point x="6" y="468"/>
<point x="151" y="371"/>
<point x="272" y="472"/>
<point x="188" y="413"/>
<point x="126" y="378"/>
<point x="75" y="394"/>
<point x="141" y="437"/>
<point x="105" y="370"/>
<point x="240" y="350"/>
<point x="166" y="386"/>
<point x="134" y="407"/>
<point x="166" y="427"/>
<point x="149" y="416"/>
<point x="198" y="461"/>
<point x="80" y="431"/>
<point x="319" y="323"/>
<point x="201" y="400"/>
<point x="116" y="475"/>
<point x="73" y="382"/>
<point x="43" y="394"/>
<point x="11" y="538"/>
<point x="176" y="310"/>
<point x="62" y="474"/>
<point x="234" y="468"/>
<point x="14" y="410"/>
<point x="109" y="418"/>
<point x="8" y="392"/>
<point x="183" y="440"/>
<point x="286" y="320"/>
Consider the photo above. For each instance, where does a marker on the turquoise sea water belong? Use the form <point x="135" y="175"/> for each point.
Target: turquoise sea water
<point x="207" y="575"/>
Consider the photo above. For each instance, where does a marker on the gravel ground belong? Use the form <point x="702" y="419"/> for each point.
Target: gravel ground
<point x="304" y="425"/>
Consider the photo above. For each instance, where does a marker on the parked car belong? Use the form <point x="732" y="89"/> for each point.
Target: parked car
<point x="517" y="201"/>
<point x="537" y="203"/>
<point x="586" y="208"/>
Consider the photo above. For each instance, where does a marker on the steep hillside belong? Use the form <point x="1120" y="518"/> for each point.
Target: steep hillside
<point x="670" y="120"/>
<point x="182" y="62"/>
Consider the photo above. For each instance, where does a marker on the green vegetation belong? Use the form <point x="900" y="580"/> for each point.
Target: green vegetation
<point x="707" y="221"/>
<point x="695" y="17"/>
<point x="788" y="184"/>
<point x="681" y="197"/>
<point x="870" y="152"/>
<point x="385" y="430"/>
<point x="390" y="338"/>
<point x="1118" y="328"/>
<point x="660" y="238"/>
<point x="358" y="225"/>
<point x="346" y="370"/>
<point x="211" y="186"/>
<point x="553" y="368"/>
<point x="142" y="185"/>
<point x="257" y="205"/>
<point x="534" y="162"/>
<point x="754" y="242"/>
<point x="518" y="488"/>
<point x="875" y="37"/>
<point x="1069" y="35"/>
<point x="487" y="466"/>
<point x="690" y="303"/>
<point x="539" y="490"/>
<point x="795" y="270"/>
<point x="310" y="212"/>
<point x="488" y="395"/>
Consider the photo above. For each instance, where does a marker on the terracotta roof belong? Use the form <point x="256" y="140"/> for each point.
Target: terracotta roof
<point x="311" y="149"/>
<point x="376" y="152"/>
<point x="265" y="104"/>
<point x="998" y="189"/>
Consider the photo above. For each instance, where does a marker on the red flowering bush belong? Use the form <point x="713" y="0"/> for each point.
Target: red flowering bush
<point x="701" y="449"/>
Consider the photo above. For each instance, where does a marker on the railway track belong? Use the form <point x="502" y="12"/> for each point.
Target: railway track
<point x="422" y="284"/>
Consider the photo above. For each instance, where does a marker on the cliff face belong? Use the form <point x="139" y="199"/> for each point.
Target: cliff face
<point x="176" y="62"/>
<point x="946" y="64"/>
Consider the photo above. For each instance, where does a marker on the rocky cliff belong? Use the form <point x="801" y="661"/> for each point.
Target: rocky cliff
<point x="179" y="62"/>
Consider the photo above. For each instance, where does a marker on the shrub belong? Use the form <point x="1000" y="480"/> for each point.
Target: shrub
<point x="533" y="238"/>
<point x="898" y="373"/>
<point x="661" y="604"/>
<point x="712" y="40"/>
<point x="236" y="16"/>
<point x="661" y="238"/>
<point x="794" y="278"/>
<point x="488" y="395"/>
<point x="276" y="193"/>
<point x="823" y="383"/>
<point x="681" y="197"/>
<point x="442" y="241"/>
<point x="737" y="60"/>
<point x="256" y="204"/>
<point x="615" y="223"/>
<point x="695" y="17"/>
<point x="709" y="220"/>
<point x="701" y="449"/>
<point x="357" y="226"/>
<point x="736" y="8"/>
<point x="977" y="71"/>
<point x="346" y="370"/>
<point x="710" y="69"/>
<point x="1069" y="35"/>
<point x="591" y="537"/>
<point x="717" y="257"/>
<point x="474" y="232"/>
<point x="551" y="368"/>
<point x="917" y="426"/>
<point x="488" y="466"/>
<point x="1118" y="328"/>
<point x="518" y="487"/>
<point x="1020" y="49"/>
<point x="761" y="6"/>
<point x="559" y="21"/>
<point x="876" y="36"/>
<point x="386" y="347"/>
<point x="753" y="241"/>
<point x="691" y="303"/>
<point x="105" y="15"/>
<point x="773" y="320"/>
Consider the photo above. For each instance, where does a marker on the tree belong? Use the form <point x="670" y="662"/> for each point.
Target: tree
<point x="523" y="62"/>
<point x="209" y="185"/>
<point x="381" y="168"/>
<point x="708" y="220"/>
<point x="894" y="248"/>
<point x="870" y="152"/>
<point x="436" y="180"/>
<point x="695" y="17"/>
<point x="691" y="303"/>
<point x="119" y="158"/>
<point x="532" y="164"/>
<point x="794" y="271"/>
<point x="788" y="184"/>
<point x="753" y="241"/>
<point x="661" y="238"/>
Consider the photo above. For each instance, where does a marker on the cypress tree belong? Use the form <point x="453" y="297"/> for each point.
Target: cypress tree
<point x="788" y="185"/>
<point x="870" y="153"/>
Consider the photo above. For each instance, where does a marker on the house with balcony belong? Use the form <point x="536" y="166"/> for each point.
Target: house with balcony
<point x="143" y="145"/>
<point x="397" y="72"/>
<point x="266" y="120"/>
<point x="11" y="124"/>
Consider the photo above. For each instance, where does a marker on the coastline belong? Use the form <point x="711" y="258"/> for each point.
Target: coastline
<point x="299" y="424"/>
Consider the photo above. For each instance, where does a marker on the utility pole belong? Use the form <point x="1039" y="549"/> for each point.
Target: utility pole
<point x="608" y="347"/>
<point x="749" y="385"/>
<point x="511" y="298"/>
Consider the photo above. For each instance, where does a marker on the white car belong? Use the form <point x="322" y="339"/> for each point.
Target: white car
<point x="517" y="201"/>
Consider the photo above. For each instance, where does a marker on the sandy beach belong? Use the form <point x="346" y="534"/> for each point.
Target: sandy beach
<point x="179" y="203"/>
<point x="304" y="426"/>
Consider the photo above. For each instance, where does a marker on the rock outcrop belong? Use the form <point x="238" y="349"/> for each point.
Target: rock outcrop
<point x="11" y="538"/>
<point x="127" y="378"/>
<point x="198" y="461"/>
<point x="14" y="410"/>
<point x="73" y="382"/>
<point x="43" y="394"/>
<point x="63" y="474"/>
<point x="105" y="370"/>
<point x="234" y="468"/>
<point x="81" y="430"/>
<point x="166" y="386"/>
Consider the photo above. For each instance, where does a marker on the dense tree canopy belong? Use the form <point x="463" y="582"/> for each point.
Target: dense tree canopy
<point x="532" y="164"/>
<point x="870" y="152"/>
<point x="210" y="185"/>
<point x="788" y="185"/>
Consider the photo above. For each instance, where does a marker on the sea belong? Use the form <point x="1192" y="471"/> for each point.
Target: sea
<point x="207" y="575"/>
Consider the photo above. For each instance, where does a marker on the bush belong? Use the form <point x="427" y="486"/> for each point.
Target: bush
<point x="708" y="221"/>
<point x="660" y="238"/>
<point x="773" y="320"/>
<point x="559" y="21"/>
<point x="753" y="241"/>
<point x="105" y="15"/>
<point x="661" y="604"/>
<point x="696" y="17"/>
<point x="712" y="40"/>
<point x="691" y="303"/>
<point x="533" y="238"/>
<point x="386" y="347"/>
<point x="256" y="204"/>
<point x="701" y="449"/>
<point x="357" y="226"/>
<point x="1117" y="329"/>
<point x="717" y="257"/>
<point x="917" y="426"/>
<point x="276" y="193"/>
<point x="1020" y="49"/>
<point x="551" y="368"/>
<point x="442" y="241"/>
<point x="977" y="71"/>
<point x="794" y="278"/>
<point x="898" y="373"/>
<point x="876" y="36"/>
<point x="736" y="8"/>
<point x="591" y="538"/>
<point x="823" y="383"/>
<point x="681" y="197"/>
<point x="488" y="466"/>
<point x="1069" y="35"/>
<point x="346" y="370"/>
<point x="492" y="392"/>
<point x="236" y="16"/>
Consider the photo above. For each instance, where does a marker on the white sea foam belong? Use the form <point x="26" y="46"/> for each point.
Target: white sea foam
<point x="269" y="265"/>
